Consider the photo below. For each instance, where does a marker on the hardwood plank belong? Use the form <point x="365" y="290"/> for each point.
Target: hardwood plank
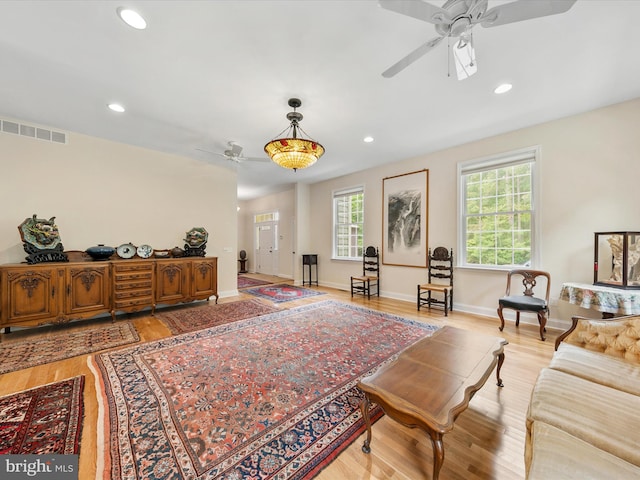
<point x="487" y="441"/>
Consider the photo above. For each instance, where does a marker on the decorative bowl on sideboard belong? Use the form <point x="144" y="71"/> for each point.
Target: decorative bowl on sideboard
<point x="100" y="252"/>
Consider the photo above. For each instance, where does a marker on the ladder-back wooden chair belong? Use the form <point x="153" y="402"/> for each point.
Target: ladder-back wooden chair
<point x="370" y="277"/>
<point x="440" y="278"/>
<point x="526" y="302"/>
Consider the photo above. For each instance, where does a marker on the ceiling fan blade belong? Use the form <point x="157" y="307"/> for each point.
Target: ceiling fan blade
<point x="256" y="159"/>
<point x="223" y="155"/>
<point x="417" y="9"/>
<point x="242" y="159"/>
<point x="233" y="154"/>
<point x="210" y="152"/>
<point x="412" y="57"/>
<point x="524" y="10"/>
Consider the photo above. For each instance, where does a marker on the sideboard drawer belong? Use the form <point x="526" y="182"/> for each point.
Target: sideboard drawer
<point x="133" y="267"/>
<point x="135" y="302"/>
<point x="132" y="285"/>
<point x="147" y="293"/>
<point x="124" y="277"/>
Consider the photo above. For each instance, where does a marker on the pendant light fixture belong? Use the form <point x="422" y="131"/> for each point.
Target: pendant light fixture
<point x="292" y="151"/>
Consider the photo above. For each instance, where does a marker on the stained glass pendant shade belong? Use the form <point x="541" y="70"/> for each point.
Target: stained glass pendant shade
<point x="292" y="151"/>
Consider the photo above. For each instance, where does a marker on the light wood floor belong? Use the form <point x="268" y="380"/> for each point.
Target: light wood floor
<point x="486" y="443"/>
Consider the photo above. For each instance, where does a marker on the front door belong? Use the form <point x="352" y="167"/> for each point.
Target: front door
<point x="266" y="248"/>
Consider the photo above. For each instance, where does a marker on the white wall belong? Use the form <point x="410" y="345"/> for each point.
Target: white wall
<point x="111" y="193"/>
<point x="589" y="169"/>
<point x="302" y="237"/>
<point x="284" y="203"/>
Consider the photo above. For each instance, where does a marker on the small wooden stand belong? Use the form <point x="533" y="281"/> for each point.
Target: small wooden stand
<point x="308" y="261"/>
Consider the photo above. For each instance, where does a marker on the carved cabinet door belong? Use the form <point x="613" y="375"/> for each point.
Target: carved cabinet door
<point x="87" y="289"/>
<point x="29" y="295"/>
<point x="172" y="281"/>
<point x="204" y="281"/>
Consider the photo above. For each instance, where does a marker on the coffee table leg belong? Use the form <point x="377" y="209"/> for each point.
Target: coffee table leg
<point x="438" y="453"/>
<point x="364" y="408"/>
<point x="500" y="362"/>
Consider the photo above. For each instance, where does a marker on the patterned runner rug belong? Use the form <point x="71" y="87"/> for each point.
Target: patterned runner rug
<point x="246" y="282"/>
<point x="272" y="397"/>
<point x="282" y="293"/>
<point x="211" y="315"/>
<point x="43" y="420"/>
<point x="64" y="342"/>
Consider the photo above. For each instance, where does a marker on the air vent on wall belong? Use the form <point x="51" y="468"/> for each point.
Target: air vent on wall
<point x="31" y="131"/>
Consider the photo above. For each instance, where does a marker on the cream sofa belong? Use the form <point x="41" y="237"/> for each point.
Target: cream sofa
<point x="583" y="420"/>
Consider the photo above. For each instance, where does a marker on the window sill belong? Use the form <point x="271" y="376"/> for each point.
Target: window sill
<point x="343" y="259"/>
<point x="491" y="268"/>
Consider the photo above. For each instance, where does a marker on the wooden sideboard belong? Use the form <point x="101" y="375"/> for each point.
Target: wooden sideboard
<point x="52" y="293"/>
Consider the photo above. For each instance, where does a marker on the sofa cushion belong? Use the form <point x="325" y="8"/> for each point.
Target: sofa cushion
<point x="618" y="338"/>
<point x="597" y="368"/>
<point x="602" y="416"/>
<point x="560" y="456"/>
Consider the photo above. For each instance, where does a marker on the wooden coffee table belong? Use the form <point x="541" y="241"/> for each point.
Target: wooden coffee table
<point x="432" y="382"/>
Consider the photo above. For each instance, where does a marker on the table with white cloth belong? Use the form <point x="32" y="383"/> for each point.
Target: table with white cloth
<point x="611" y="301"/>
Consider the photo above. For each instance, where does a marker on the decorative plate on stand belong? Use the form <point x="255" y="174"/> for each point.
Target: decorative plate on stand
<point x="145" y="251"/>
<point x="126" y="250"/>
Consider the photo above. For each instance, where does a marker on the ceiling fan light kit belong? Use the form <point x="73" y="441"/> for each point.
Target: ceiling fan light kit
<point x="291" y="151"/>
<point x="457" y="18"/>
<point x="233" y="153"/>
<point x="464" y="56"/>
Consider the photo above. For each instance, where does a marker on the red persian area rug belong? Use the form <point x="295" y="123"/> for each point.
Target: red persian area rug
<point x="211" y="315"/>
<point x="36" y="348"/>
<point x="246" y="282"/>
<point x="271" y="397"/>
<point x="282" y="293"/>
<point x="43" y="420"/>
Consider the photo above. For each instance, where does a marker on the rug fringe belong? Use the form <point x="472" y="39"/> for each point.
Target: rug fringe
<point x="101" y="450"/>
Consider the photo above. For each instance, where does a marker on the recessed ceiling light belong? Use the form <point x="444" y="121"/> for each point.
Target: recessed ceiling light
<point x="132" y="18"/>
<point x="368" y="139"/>
<point x="503" y="88"/>
<point x="116" y="107"/>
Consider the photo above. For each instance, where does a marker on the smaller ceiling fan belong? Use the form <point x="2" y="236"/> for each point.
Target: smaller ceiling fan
<point x="234" y="154"/>
<point x="456" y="18"/>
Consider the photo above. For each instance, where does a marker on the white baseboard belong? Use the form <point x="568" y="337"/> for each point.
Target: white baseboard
<point x="228" y="293"/>
<point x="509" y="315"/>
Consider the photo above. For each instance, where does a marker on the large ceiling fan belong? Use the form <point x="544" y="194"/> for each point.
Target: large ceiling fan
<point x="456" y="18"/>
<point x="234" y="154"/>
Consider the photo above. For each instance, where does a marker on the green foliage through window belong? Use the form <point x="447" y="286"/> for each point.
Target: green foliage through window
<point x="497" y="215"/>
<point x="348" y="210"/>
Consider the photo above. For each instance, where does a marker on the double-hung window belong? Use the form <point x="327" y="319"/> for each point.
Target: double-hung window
<point x="348" y="223"/>
<point x="498" y="211"/>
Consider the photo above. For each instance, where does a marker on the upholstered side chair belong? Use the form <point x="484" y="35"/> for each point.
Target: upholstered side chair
<point x="527" y="301"/>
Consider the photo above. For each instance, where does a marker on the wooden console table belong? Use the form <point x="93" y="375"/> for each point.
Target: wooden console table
<point x="60" y="292"/>
<point x="608" y="300"/>
<point x="432" y="382"/>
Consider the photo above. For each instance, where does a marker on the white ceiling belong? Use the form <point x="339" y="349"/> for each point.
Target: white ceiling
<point x="207" y="72"/>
